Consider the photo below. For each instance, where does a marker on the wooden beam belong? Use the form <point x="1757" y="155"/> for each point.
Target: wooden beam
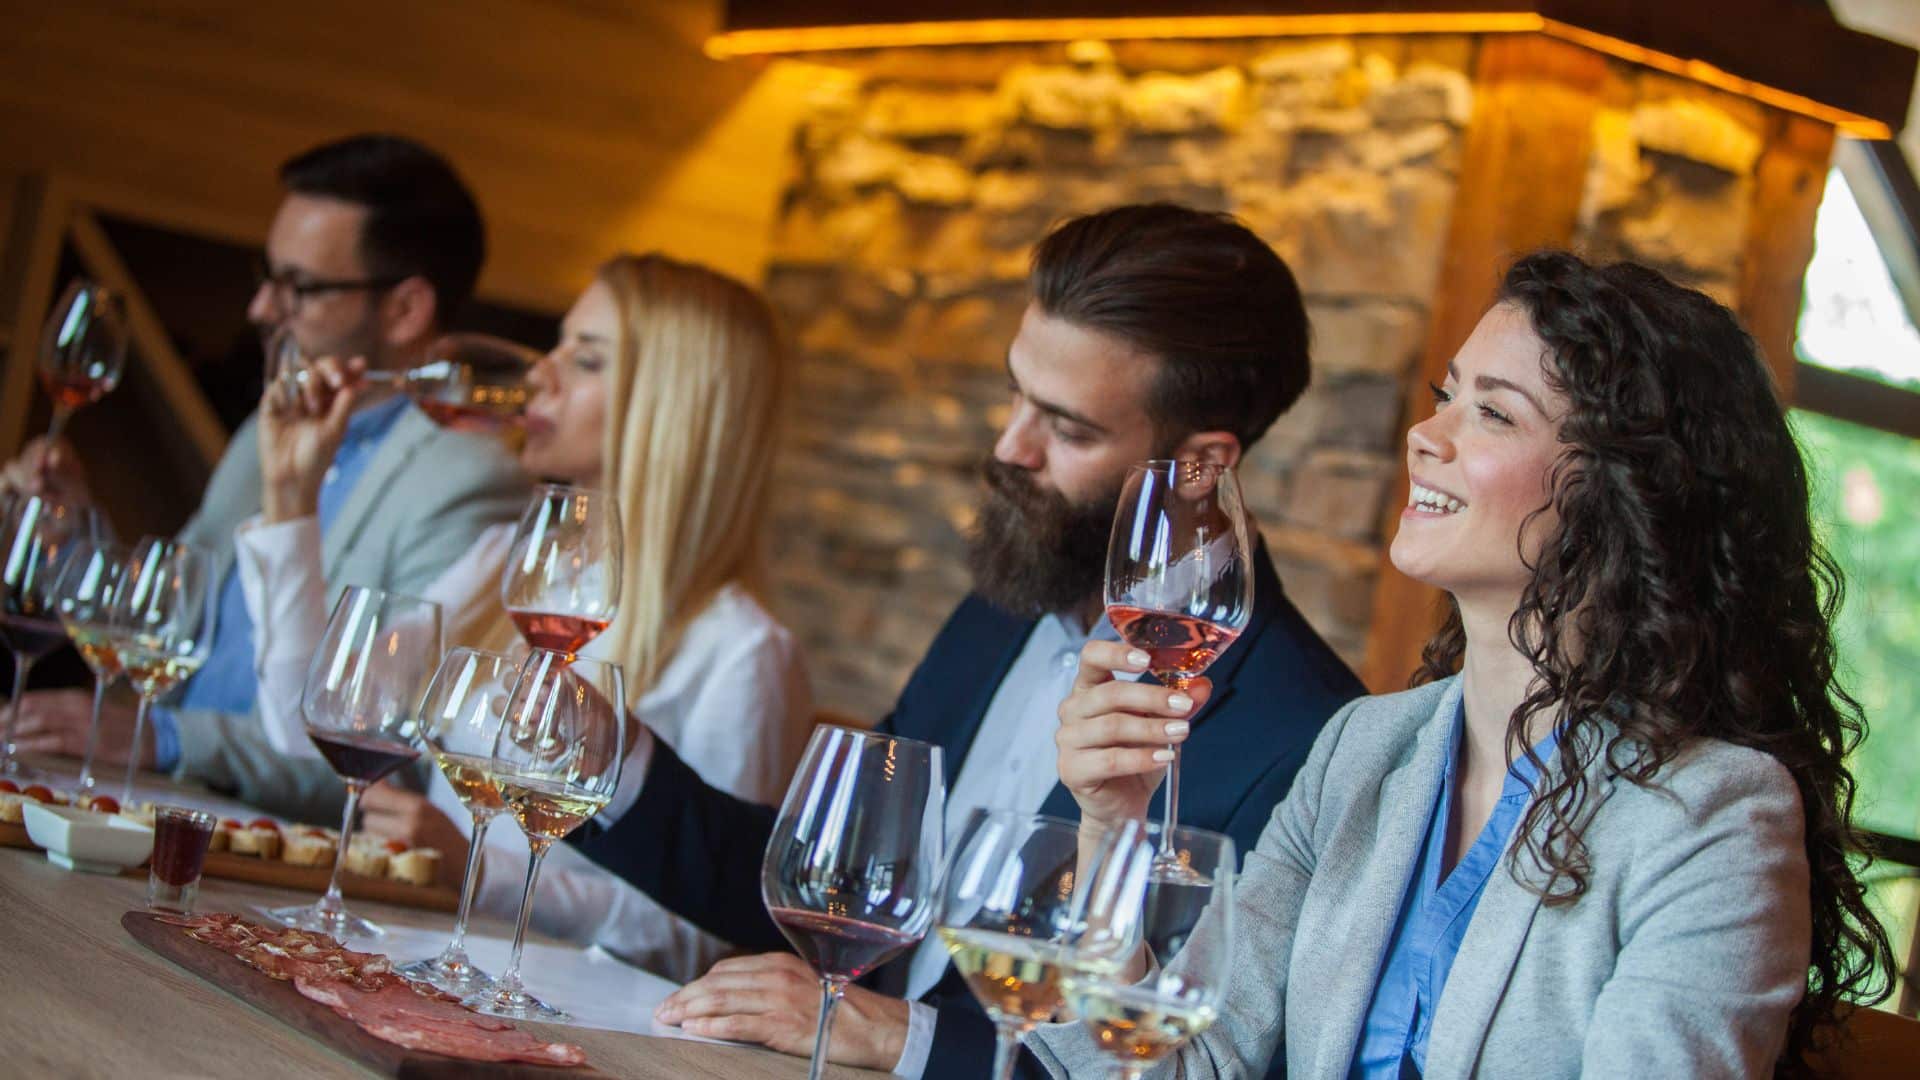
<point x="26" y="291"/>
<point x="1521" y="177"/>
<point x="1789" y="180"/>
<point x="185" y="405"/>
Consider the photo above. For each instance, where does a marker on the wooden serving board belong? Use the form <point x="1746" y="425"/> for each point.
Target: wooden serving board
<point x="225" y="864"/>
<point x="281" y="1001"/>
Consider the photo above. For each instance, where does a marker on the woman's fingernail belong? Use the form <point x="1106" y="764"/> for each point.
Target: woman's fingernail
<point x="1179" y="702"/>
<point x="1163" y="756"/>
<point x="1136" y="658"/>
<point x="1177" y="729"/>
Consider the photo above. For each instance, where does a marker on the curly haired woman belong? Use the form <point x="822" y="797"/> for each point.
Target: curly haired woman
<point x="1606" y="833"/>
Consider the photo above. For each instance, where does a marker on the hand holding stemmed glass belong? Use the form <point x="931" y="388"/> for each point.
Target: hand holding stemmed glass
<point x="39" y="534"/>
<point x="362" y="689"/>
<point x="562" y="581"/>
<point x="852" y="871"/>
<point x="162" y="626"/>
<point x="466" y="382"/>
<point x="1179" y="578"/>
<point x="84" y="597"/>
<point x="556" y="762"/>
<point x="83" y="349"/>
<point x="459" y="721"/>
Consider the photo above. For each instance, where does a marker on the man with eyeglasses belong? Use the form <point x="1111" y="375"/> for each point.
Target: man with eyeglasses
<point x="376" y="243"/>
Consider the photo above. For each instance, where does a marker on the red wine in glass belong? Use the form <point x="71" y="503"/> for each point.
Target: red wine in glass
<point x="1181" y="646"/>
<point x="558" y="633"/>
<point x="30" y="636"/>
<point x="359" y="757"/>
<point x="837" y="946"/>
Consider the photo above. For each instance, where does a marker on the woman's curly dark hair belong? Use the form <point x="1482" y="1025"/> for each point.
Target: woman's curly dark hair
<point x="1684" y="594"/>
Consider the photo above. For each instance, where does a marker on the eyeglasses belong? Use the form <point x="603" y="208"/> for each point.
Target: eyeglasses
<point x="292" y="289"/>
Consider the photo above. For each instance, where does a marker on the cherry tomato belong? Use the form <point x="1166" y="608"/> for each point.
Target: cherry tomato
<point x="263" y="823"/>
<point x="394" y="847"/>
<point x="39" y="793"/>
<point x="9" y="787"/>
<point x="105" y="804"/>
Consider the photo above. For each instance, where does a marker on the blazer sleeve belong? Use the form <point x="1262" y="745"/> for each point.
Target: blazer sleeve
<point x="1266" y="908"/>
<point x="1715" y="928"/>
<point x="452" y="496"/>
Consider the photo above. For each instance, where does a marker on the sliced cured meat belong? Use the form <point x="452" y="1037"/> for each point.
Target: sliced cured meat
<point x="406" y="1019"/>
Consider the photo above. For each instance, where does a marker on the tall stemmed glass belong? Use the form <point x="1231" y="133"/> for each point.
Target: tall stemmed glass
<point x="467" y="382"/>
<point x="852" y="870"/>
<point x="1031" y="899"/>
<point x="39" y="534"/>
<point x="556" y="762"/>
<point x="84" y="598"/>
<point x="162" y="624"/>
<point x="1186" y="925"/>
<point x="363" y="686"/>
<point x="1179" y="577"/>
<point x="562" y="582"/>
<point x="459" y="720"/>
<point x="83" y="349"/>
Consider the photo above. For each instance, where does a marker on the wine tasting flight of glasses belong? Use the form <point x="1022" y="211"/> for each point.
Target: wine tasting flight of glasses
<point x="84" y="597"/>
<point x="459" y="720"/>
<point x="562" y="581"/>
<point x="1179" y="577"/>
<point x="1186" y="928"/>
<point x="83" y="349"/>
<point x="1026" y="904"/>
<point x="556" y="762"/>
<point x="162" y="626"/>
<point x="852" y="871"/>
<point x="363" y="688"/>
<point x="468" y="382"/>
<point x="39" y="535"/>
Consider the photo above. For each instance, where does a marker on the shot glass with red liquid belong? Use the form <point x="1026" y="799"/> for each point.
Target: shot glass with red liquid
<point x="180" y="840"/>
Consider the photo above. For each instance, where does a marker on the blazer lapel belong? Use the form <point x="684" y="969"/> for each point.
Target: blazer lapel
<point x="409" y="432"/>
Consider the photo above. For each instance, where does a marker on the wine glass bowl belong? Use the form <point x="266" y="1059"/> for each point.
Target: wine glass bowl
<point x="39" y="535"/>
<point x="852" y="869"/>
<point x="466" y="382"/>
<point x="359" y="702"/>
<point x="562" y="582"/>
<point x="84" y="597"/>
<point x="162" y="626"/>
<point x="83" y="349"/>
<point x="556" y="762"/>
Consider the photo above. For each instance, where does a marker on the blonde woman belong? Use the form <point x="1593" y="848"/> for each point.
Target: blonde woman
<point x="664" y="389"/>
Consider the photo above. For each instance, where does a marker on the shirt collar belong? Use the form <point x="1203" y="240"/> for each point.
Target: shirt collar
<point x="1067" y="625"/>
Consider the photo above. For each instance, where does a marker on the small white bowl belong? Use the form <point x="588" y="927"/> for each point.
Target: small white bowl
<point x="78" y="839"/>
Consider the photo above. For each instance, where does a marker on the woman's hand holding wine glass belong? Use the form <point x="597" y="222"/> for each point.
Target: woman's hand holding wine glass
<point x="1114" y="733"/>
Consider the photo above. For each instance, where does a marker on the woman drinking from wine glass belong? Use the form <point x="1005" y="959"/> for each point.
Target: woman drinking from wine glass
<point x="1607" y="833"/>
<point x="664" y="390"/>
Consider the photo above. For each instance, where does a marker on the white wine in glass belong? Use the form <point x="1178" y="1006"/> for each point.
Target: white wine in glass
<point x="162" y="627"/>
<point x="84" y="597"/>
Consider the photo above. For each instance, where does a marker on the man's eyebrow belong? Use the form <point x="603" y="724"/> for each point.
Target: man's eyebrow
<point x="1049" y="407"/>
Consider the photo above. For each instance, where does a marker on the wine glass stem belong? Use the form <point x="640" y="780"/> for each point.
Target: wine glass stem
<point x="1006" y="1050"/>
<point x="510" y="980"/>
<point x="830" y="991"/>
<point x="331" y="905"/>
<point x="59" y="422"/>
<point x="93" y="735"/>
<point x="1173" y="800"/>
<point x="133" y="750"/>
<point x="21" y="665"/>
<point x="457" y="948"/>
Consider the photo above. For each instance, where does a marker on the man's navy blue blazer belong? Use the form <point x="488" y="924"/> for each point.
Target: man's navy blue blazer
<point x="697" y="850"/>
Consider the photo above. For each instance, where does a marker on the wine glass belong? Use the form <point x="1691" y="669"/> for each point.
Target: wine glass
<point x="84" y="598"/>
<point x="467" y="382"/>
<point x="161" y="625"/>
<point x="1179" y="577"/>
<point x="562" y="582"/>
<point x="556" y="761"/>
<point x="1186" y="924"/>
<point x="852" y="871"/>
<point x="1028" y="900"/>
<point x="459" y="720"/>
<point x="40" y="534"/>
<point x="359" y="700"/>
<point x="83" y="349"/>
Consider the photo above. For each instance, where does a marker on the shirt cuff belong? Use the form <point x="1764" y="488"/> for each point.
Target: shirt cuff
<point x="632" y="775"/>
<point x="913" y="1056"/>
<point x="166" y="738"/>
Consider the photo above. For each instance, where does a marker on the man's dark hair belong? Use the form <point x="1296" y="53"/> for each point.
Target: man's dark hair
<point x="1197" y="290"/>
<point x="421" y="219"/>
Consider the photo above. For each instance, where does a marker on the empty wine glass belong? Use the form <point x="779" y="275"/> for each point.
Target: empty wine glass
<point x="852" y="871"/>
<point x="1179" y="577"/>
<point x="1186" y="924"/>
<point x="84" y="598"/>
<point x="556" y="761"/>
<point x="562" y="581"/>
<point x="161" y="626"/>
<point x="39" y="534"/>
<point x="363" y="686"/>
<point x="1031" y="899"/>
<point x="83" y="349"/>
<point x="466" y="382"/>
<point x="459" y="720"/>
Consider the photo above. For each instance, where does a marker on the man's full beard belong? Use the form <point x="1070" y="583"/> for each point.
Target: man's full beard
<point x="1032" y="552"/>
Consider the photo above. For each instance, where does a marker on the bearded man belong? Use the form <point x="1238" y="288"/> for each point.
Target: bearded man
<point x="1154" y="332"/>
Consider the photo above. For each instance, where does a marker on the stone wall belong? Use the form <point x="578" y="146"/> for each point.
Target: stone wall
<point x="920" y="182"/>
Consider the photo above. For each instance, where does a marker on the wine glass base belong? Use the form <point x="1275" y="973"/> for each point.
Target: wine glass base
<point x="340" y="926"/>
<point x="516" y="1005"/>
<point x="467" y="981"/>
